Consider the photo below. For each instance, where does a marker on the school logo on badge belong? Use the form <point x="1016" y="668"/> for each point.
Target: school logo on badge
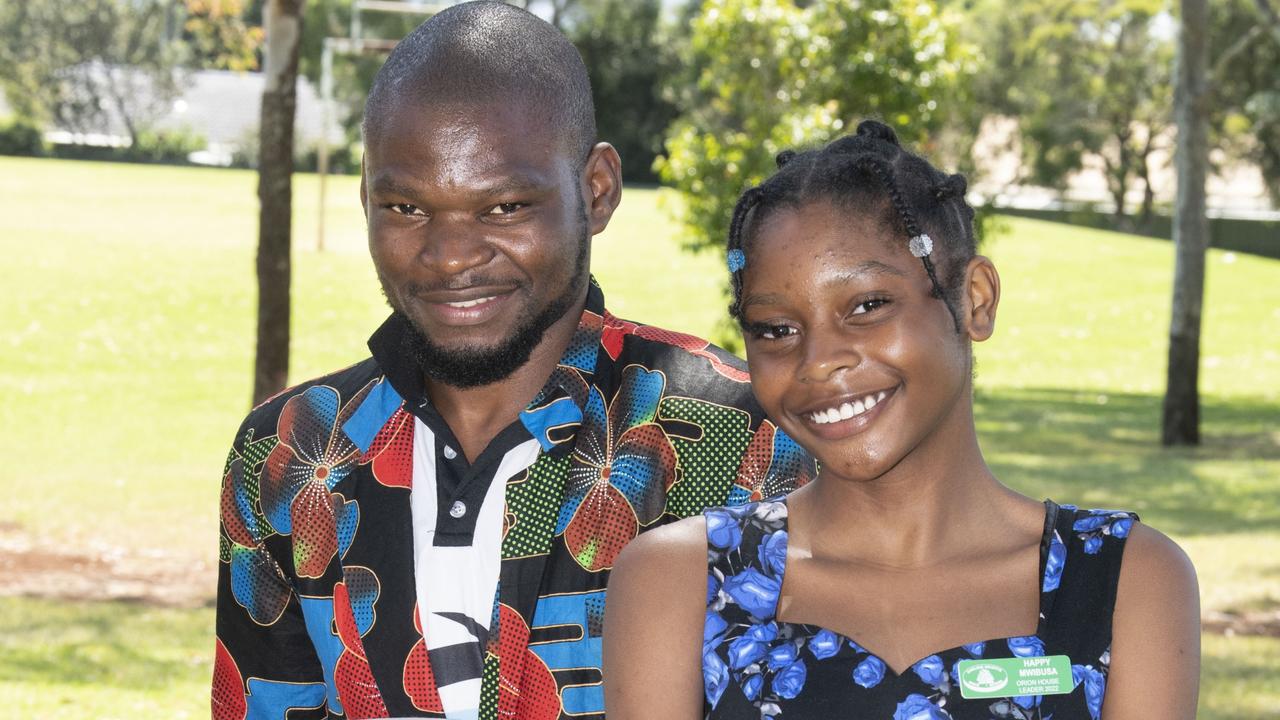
<point x="984" y="677"/>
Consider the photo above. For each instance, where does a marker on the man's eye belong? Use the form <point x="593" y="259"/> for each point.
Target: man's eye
<point x="405" y="209"/>
<point x="506" y="208"/>
<point x="867" y="306"/>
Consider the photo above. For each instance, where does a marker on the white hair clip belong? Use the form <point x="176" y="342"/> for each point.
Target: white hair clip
<point x="921" y="245"/>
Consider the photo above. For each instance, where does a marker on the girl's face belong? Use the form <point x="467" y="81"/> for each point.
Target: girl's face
<point x="848" y="351"/>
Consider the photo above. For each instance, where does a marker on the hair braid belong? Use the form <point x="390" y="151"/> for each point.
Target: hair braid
<point x="745" y="204"/>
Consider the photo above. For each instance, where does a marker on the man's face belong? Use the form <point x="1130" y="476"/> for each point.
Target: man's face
<point x="478" y="231"/>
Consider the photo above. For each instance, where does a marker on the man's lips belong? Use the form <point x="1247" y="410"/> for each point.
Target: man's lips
<point x="471" y="306"/>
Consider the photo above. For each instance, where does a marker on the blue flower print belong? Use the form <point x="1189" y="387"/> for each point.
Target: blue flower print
<point x="751" y="646"/>
<point x="1053" y="564"/>
<point x="754" y="591"/>
<point x="713" y="631"/>
<point x="722" y="530"/>
<point x="1095" y="687"/>
<point x="869" y="672"/>
<point x="751" y="688"/>
<point x="715" y="677"/>
<point x="975" y="649"/>
<point x="788" y="683"/>
<point x="773" y="552"/>
<point x="713" y="587"/>
<point x="918" y="707"/>
<point x="824" y="645"/>
<point x="1121" y="527"/>
<point x="858" y="648"/>
<point x="1026" y="646"/>
<point x="1092" y="544"/>
<point x="930" y="670"/>
<point x="783" y="655"/>
<point x="1090" y="522"/>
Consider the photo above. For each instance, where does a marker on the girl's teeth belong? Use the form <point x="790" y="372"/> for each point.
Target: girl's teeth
<point x="847" y="410"/>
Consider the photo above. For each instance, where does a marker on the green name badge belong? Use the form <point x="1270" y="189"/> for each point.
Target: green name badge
<point x="1015" y="677"/>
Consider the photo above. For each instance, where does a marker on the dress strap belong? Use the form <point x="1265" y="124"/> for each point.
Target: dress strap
<point x="1082" y="559"/>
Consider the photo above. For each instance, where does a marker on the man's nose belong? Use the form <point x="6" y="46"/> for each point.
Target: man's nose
<point x="454" y="246"/>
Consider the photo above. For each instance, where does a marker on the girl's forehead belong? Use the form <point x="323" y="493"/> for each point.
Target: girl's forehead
<point x="822" y="230"/>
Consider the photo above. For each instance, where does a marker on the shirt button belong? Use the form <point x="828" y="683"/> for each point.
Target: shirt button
<point x="450" y="453"/>
<point x="458" y="510"/>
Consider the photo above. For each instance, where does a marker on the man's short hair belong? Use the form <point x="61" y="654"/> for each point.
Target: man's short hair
<point x="489" y="51"/>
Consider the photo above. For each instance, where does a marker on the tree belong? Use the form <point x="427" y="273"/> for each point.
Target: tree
<point x="1246" y="111"/>
<point x="282" y="20"/>
<point x="221" y="36"/>
<point x="1083" y="78"/>
<point x="764" y="75"/>
<point x="85" y="63"/>
<point x="626" y="54"/>
<point x="1196" y="88"/>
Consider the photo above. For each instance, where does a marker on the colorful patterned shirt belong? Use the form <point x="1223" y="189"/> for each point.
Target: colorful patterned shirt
<point x="317" y="598"/>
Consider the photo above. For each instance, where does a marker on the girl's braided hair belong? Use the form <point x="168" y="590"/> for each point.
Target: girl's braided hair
<point x="869" y="172"/>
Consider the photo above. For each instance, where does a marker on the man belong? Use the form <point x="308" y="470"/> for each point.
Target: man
<point x="429" y="532"/>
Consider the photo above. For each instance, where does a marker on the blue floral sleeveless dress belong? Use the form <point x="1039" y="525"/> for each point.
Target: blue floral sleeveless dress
<point x="755" y="666"/>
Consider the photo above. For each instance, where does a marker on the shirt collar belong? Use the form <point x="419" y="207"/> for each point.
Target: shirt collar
<point x="555" y="413"/>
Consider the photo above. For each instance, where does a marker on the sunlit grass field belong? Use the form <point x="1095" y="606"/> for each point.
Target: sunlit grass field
<point x="126" y="329"/>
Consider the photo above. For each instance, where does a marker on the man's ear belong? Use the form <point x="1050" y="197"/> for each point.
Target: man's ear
<point x="982" y="293"/>
<point x="364" y="194"/>
<point x="602" y="185"/>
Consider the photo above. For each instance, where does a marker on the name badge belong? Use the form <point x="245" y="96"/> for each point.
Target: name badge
<point x="1015" y="677"/>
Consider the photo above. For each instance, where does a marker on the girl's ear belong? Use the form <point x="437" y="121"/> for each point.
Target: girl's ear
<point x="982" y="293"/>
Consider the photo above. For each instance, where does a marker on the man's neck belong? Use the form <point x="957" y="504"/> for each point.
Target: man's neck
<point x="476" y="415"/>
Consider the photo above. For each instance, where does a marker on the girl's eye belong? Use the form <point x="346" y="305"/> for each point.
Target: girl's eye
<point x="506" y="208"/>
<point x="770" y="331"/>
<point x="405" y="209"/>
<point x="867" y="306"/>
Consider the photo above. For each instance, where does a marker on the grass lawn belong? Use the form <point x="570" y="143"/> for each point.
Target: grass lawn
<point x="127" y="327"/>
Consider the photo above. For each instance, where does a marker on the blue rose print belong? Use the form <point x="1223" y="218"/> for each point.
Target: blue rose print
<point x="715" y="677"/>
<point x="1089" y="522"/>
<point x="754" y="591"/>
<point x="857" y="648"/>
<point x="788" y="683"/>
<point x="722" y="530"/>
<point x="773" y="552"/>
<point x="713" y="631"/>
<point x="929" y="670"/>
<point x="783" y="655"/>
<point x="1121" y="527"/>
<point x="751" y="688"/>
<point x="824" y="645"/>
<point x="1095" y="687"/>
<point x="713" y="587"/>
<point x="918" y="707"/>
<point x="751" y="646"/>
<point x="1092" y="544"/>
<point x="975" y="649"/>
<point x="1026" y="646"/>
<point x="869" y="672"/>
<point x="1054" y="563"/>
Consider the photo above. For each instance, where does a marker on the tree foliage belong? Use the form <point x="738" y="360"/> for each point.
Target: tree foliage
<point x="1083" y="78"/>
<point x="78" y="62"/>
<point x="763" y="75"/>
<point x="221" y="34"/>
<point x="626" y="52"/>
<point x="1246" y="86"/>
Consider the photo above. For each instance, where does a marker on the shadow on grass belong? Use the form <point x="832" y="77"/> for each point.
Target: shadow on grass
<point x="105" y="643"/>
<point x="1103" y="450"/>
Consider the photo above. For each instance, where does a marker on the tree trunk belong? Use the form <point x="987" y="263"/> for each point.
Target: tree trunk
<point x="282" y="20"/>
<point x="1181" y="421"/>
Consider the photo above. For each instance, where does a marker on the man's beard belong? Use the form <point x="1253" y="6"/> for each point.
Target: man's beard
<point x="469" y="367"/>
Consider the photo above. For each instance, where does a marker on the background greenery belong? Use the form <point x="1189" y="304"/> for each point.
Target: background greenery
<point x="127" y="327"/>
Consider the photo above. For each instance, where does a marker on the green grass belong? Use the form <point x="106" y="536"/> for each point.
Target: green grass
<point x="127" y="333"/>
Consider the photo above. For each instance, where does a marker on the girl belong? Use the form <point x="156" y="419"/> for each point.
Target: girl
<point x="905" y="582"/>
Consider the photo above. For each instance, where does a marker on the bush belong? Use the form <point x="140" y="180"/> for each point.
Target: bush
<point x="168" y="147"/>
<point x="21" y="137"/>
